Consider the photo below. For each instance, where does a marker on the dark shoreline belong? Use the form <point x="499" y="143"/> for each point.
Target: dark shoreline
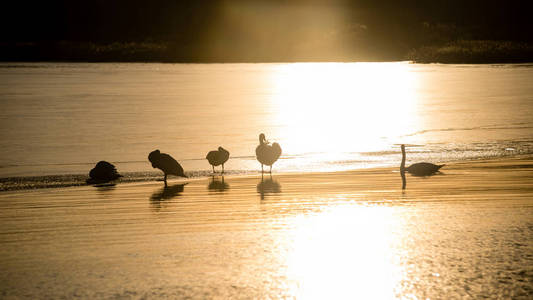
<point x="457" y="52"/>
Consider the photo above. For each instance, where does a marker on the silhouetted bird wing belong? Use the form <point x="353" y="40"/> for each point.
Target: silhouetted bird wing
<point x="276" y="150"/>
<point x="261" y="152"/>
<point x="169" y="165"/>
<point x="224" y="155"/>
<point x="423" y="169"/>
<point x="268" y="155"/>
<point x="103" y="172"/>
<point x="213" y="158"/>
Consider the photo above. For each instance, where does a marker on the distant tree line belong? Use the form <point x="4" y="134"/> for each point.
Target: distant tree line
<point x="266" y="30"/>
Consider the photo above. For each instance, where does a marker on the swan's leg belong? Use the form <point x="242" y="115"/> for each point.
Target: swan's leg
<point x="165" y="179"/>
<point x="262" y="169"/>
<point x="404" y="182"/>
<point x="222" y="168"/>
<point x="270" y="169"/>
<point x="213" y="168"/>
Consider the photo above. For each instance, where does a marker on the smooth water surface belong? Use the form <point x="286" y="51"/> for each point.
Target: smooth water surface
<point x="62" y="118"/>
<point x="467" y="234"/>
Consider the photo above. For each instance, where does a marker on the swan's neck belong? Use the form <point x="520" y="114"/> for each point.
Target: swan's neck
<point x="402" y="165"/>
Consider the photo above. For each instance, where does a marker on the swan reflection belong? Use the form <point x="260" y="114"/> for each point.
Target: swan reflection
<point x="105" y="187"/>
<point x="268" y="186"/>
<point x="168" y="192"/>
<point x="217" y="185"/>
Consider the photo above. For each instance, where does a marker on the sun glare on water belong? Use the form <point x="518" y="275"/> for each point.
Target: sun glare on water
<point x="334" y="109"/>
<point x="343" y="107"/>
<point x="344" y="252"/>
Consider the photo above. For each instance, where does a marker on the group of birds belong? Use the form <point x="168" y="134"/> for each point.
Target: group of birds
<point x="266" y="154"/>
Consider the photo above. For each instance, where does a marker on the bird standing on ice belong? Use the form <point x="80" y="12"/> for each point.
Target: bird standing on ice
<point x="267" y="154"/>
<point x="217" y="158"/>
<point x="165" y="163"/>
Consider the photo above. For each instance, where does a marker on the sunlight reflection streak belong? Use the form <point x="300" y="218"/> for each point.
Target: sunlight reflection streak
<point x="344" y="253"/>
<point x="343" y="107"/>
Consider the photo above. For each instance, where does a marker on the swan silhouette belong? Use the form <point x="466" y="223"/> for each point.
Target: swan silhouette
<point x="103" y="172"/>
<point x="419" y="169"/>
<point x="165" y="163"/>
<point x="268" y="186"/>
<point x="267" y="154"/>
<point x="217" y="158"/>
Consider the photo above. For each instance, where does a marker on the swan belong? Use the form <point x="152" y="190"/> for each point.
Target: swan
<point x="217" y="157"/>
<point x="419" y="169"/>
<point x="267" y="154"/>
<point x="165" y="163"/>
<point x="103" y="172"/>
